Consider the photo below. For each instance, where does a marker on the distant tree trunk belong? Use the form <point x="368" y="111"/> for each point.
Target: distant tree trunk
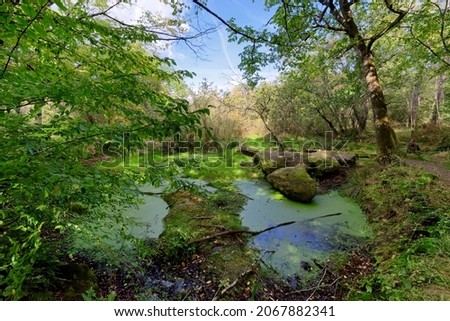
<point x="361" y="115"/>
<point x="278" y="141"/>
<point x="438" y="98"/>
<point x="414" y="104"/>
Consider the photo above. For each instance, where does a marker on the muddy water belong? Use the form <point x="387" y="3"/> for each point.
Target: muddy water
<point x="288" y="248"/>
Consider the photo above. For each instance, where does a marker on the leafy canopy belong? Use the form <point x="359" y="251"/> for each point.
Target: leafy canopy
<point x="70" y="81"/>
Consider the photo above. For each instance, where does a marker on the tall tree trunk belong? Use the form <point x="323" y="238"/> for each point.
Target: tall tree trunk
<point x="438" y="97"/>
<point x="414" y="106"/>
<point x="385" y="135"/>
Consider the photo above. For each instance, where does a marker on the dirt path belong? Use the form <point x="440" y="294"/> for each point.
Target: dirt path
<point x="442" y="173"/>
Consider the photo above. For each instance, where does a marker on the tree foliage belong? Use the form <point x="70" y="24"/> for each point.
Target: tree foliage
<point x="71" y="80"/>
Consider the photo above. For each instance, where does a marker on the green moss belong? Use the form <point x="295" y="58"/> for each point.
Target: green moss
<point x="409" y="212"/>
<point x="193" y="216"/>
<point x="294" y="182"/>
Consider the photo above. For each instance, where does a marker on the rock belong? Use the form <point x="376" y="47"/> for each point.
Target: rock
<point x="321" y="163"/>
<point x="327" y="156"/>
<point x="271" y="160"/>
<point x="306" y="266"/>
<point x="248" y="150"/>
<point x="412" y="148"/>
<point x="246" y="164"/>
<point x="294" y="183"/>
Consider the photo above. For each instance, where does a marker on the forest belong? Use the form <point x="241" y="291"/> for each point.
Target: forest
<point x="121" y="181"/>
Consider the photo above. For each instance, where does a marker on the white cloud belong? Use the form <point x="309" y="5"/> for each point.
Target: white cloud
<point x="134" y="13"/>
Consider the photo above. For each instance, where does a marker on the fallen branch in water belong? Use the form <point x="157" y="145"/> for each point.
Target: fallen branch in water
<point x="152" y="193"/>
<point x="254" y="233"/>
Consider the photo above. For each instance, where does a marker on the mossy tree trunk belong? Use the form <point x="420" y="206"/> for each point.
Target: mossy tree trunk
<point x="385" y="135"/>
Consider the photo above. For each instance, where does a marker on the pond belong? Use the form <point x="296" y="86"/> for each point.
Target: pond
<point x="150" y="215"/>
<point x="285" y="248"/>
<point x="312" y="237"/>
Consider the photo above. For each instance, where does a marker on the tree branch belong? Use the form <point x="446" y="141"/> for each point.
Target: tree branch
<point x="286" y="25"/>
<point x="400" y="15"/>
<point x="240" y="32"/>
<point x="16" y="45"/>
<point x="231" y="27"/>
<point x="428" y="47"/>
<point x="254" y="233"/>
<point x="105" y="11"/>
<point x="442" y="14"/>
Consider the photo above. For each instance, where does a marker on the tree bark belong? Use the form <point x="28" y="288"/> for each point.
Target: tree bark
<point x="414" y="106"/>
<point x="385" y="135"/>
<point x="438" y="97"/>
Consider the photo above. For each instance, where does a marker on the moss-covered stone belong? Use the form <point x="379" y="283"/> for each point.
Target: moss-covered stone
<point x="294" y="182"/>
<point x="271" y="160"/>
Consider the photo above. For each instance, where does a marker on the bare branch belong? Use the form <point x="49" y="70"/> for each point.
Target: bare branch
<point x="240" y="32"/>
<point x="255" y="233"/>
<point x="105" y="11"/>
<point x="232" y="28"/>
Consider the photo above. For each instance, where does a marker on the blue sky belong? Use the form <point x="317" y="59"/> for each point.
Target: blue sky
<point x="220" y="59"/>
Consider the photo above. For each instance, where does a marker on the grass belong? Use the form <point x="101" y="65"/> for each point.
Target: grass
<point x="409" y="213"/>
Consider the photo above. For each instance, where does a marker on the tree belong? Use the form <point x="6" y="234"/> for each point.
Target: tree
<point x="438" y="98"/>
<point x="429" y="28"/>
<point x="89" y="81"/>
<point x="298" y="27"/>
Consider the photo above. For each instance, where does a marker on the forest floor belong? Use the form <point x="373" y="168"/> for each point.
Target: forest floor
<point x="434" y="168"/>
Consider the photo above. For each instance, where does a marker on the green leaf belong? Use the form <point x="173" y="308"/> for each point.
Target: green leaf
<point x="40" y="30"/>
<point x="60" y="5"/>
<point x="29" y="10"/>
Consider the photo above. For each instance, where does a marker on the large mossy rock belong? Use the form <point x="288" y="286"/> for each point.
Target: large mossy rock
<point x="318" y="164"/>
<point x="321" y="163"/>
<point x="327" y="157"/>
<point x="270" y="160"/>
<point x="294" y="183"/>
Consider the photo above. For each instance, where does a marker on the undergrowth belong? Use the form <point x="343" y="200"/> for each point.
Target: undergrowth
<point x="409" y="212"/>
